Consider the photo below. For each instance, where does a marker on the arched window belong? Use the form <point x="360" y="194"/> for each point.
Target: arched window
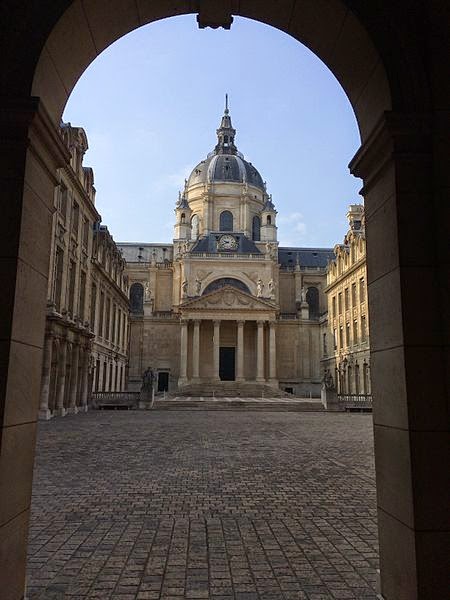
<point x="183" y="218"/>
<point x="222" y="282"/>
<point x="269" y="220"/>
<point x="256" y="229"/>
<point x="137" y="299"/>
<point x="312" y="298"/>
<point x="226" y="221"/>
<point x="194" y="227"/>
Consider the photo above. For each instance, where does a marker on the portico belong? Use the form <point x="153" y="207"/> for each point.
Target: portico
<point x="228" y="335"/>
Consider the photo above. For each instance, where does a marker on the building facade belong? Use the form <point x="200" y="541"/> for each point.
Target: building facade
<point x="81" y="333"/>
<point x="345" y="327"/>
<point x="224" y="303"/>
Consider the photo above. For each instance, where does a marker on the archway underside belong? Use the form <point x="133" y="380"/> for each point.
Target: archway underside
<point x="401" y="183"/>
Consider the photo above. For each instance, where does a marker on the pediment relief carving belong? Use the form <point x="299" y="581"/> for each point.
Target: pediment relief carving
<point x="228" y="298"/>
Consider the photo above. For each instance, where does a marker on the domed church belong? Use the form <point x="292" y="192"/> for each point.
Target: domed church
<point x="224" y="308"/>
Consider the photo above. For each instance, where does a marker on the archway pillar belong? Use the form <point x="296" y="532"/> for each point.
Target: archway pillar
<point x="407" y="325"/>
<point x="44" y="411"/>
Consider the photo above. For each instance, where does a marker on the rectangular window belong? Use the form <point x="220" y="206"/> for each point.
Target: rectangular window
<point x="324" y="339"/>
<point x="346" y="299"/>
<point x="102" y="314"/>
<point x="82" y="297"/>
<point x="85" y="240"/>
<point x="72" y="275"/>
<point x="341" y="337"/>
<point x="362" y="290"/>
<point x="363" y="328"/>
<point x="58" y="276"/>
<point x="333" y="305"/>
<point x="62" y="201"/>
<point x="93" y="304"/>
<point x="75" y="219"/>
<point x="113" y="326"/>
<point x="355" y="331"/>
<point x="335" y="339"/>
<point x="347" y="334"/>
<point x="340" y="303"/>
<point x="108" y="318"/>
<point x="353" y="294"/>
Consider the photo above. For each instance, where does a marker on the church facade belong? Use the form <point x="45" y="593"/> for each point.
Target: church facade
<point x="224" y="303"/>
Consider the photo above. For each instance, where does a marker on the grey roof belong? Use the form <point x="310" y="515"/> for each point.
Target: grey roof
<point x="209" y="244"/>
<point x="226" y="167"/>
<point x="307" y="257"/>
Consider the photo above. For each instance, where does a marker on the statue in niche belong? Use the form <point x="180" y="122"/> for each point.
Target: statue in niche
<point x="147" y="292"/>
<point x="153" y="258"/>
<point x="303" y="295"/>
<point x="184" y="288"/>
<point x="259" y="288"/>
<point x="271" y="287"/>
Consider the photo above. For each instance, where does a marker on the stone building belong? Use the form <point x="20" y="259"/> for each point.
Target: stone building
<point x="87" y="296"/>
<point x="345" y="327"/>
<point x="224" y="303"/>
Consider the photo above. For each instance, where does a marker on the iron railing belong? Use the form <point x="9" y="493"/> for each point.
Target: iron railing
<point x="115" y="399"/>
<point x="355" y="401"/>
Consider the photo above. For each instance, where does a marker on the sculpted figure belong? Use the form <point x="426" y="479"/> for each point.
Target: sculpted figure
<point x="272" y="288"/>
<point x="259" y="288"/>
<point x="147" y="291"/>
<point x="147" y="380"/>
<point x="303" y="294"/>
<point x="184" y="288"/>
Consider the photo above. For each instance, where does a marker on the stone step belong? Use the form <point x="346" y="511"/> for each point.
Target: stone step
<point x="244" y="404"/>
<point x="232" y="389"/>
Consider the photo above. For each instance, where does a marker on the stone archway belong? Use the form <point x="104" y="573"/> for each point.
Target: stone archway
<point x="400" y="99"/>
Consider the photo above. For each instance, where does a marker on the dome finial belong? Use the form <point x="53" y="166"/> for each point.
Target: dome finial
<point x="226" y="104"/>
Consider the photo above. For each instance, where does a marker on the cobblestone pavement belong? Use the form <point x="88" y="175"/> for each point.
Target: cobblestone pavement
<point x="189" y="505"/>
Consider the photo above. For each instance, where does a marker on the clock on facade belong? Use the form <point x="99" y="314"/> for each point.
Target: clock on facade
<point x="227" y="242"/>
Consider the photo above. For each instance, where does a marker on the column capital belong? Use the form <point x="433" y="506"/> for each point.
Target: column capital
<point x="240" y="322"/>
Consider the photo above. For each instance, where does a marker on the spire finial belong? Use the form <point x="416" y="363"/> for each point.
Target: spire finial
<point x="226" y="104"/>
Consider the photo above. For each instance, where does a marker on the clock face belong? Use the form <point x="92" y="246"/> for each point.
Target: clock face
<point x="227" y="242"/>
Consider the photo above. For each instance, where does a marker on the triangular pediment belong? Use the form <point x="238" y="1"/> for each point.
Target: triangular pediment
<point x="228" y="298"/>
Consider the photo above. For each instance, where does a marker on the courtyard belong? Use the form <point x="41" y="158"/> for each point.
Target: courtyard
<point x="204" y="504"/>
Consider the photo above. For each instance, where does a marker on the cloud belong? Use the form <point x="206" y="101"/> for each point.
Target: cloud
<point x="292" y="229"/>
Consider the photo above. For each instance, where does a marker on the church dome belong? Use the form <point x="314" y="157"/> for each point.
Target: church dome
<point x="225" y="163"/>
<point x="220" y="168"/>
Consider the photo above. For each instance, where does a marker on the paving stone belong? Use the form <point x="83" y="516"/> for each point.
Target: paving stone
<point x="167" y="505"/>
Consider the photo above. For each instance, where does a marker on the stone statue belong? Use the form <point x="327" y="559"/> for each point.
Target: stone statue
<point x="184" y="288"/>
<point x="198" y="286"/>
<point x="272" y="289"/>
<point x="328" y="381"/>
<point x="259" y="288"/>
<point x="147" y="292"/>
<point x="153" y="258"/>
<point x="147" y="380"/>
<point x="186" y="247"/>
<point x="303" y="294"/>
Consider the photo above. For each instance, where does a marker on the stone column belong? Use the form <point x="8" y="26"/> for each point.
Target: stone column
<point x="85" y="381"/>
<point x="44" y="412"/>
<point x="61" y="386"/>
<point x="196" y="351"/>
<point x="216" y="350"/>
<point x="183" y="351"/>
<point x="240" y="351"/>
<point x="74" y="380"/>
<point x="260" y="352"/>
<point x="272" y="353"/>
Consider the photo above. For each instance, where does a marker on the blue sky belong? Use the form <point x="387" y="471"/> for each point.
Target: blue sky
<point x="150" y="105"/>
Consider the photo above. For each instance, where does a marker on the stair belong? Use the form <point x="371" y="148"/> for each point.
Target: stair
<point x="239" y="404"/>
<point x="232" y="389"/>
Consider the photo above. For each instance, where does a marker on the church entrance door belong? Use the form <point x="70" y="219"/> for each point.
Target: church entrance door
<point x="163" y="382"/>
<point x="227" y="364"/>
